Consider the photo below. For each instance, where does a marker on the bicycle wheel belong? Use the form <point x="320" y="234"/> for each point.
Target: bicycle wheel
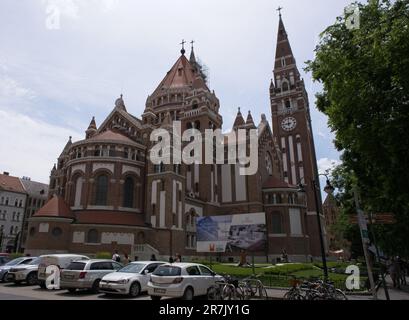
<point x="228" y="293"/>
<point x="262" y="292"/>
<point x="214" y="294"/>
<point x="339" y="295"/>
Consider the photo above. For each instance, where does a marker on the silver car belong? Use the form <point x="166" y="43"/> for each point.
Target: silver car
<point x="25" y="273"/>
<point x="4" y="270"/>
<point x="87" y="274"/>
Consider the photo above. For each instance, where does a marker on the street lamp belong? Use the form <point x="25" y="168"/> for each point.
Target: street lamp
<point x="329" y="189"/>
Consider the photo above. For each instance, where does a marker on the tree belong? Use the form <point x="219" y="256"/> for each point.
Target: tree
<point x="365" y="78"/>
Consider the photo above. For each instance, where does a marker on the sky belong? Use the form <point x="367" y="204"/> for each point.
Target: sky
<point x="58" y="71"/>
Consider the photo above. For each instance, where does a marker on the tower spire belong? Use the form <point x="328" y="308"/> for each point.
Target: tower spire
<point x="192" y="59"/>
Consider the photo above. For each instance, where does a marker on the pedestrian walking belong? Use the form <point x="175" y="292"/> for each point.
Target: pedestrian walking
<point x="126" y="259"/>
<point x="153" y="258"/>
<point x="178" y="258"/>
<point x="394" y="272"/>
<point x="116" y="257"/>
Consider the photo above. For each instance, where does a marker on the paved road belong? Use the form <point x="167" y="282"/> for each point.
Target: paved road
<point x="10" y="291"/>
<point x="21" y="292"/>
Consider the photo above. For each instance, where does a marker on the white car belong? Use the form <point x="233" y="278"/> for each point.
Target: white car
<point x="4" y="270"/>
<point x="62" y="261"/>
<point x="25" y="273"/>
<point x="181" y="280"/>
<point x="130" y="280"/>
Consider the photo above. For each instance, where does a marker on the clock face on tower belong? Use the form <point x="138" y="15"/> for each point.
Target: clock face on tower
<point x="289" y="124"/>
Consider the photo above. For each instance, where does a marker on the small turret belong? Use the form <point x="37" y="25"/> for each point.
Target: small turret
<point x="120" y="104"/>
<point x="92" y="129"/>
<point x="239" y="122"/>
<point x="250" y="122"/>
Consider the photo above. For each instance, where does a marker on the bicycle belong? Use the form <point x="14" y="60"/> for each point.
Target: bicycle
<point x="226" y="290"/>
<point x="253" y="288"/>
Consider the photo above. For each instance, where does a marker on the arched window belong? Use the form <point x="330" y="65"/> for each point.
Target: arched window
<point x="92" y="236"/>
<point x="129" y="187"/>
<point x="78" y="192"/>
<point x="101" y="194"/>
<point x="285" y="86"/>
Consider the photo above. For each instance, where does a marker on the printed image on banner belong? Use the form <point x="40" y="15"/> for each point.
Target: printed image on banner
<point x="233" y="232"/>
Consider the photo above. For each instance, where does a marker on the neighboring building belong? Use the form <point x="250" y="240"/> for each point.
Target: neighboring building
<point x="12" y="205"/>
<point x="106" y="194"/>
<point x="37" y="195"/>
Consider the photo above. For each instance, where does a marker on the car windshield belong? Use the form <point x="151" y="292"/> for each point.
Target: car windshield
<point x="15" y="262"/>
<point x="167" y="271"/>
<point x="76" y="266"/>
<point x="133" y="268"/>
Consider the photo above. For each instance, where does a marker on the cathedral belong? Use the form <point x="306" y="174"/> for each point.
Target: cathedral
<point x="105" y="194"/>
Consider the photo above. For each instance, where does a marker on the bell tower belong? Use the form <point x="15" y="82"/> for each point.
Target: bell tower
<point x="292" y="129"/>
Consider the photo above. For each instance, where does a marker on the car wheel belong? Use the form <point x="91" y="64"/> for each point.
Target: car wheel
<point x="156" y="298"/>
<point x="188" y="295"/>
<point x="71" y="290"/>
<point x="135" y="290"/>
<point x="4" y="277"/>
<point x="95" y="286"/>
<point x="32" y="279"/>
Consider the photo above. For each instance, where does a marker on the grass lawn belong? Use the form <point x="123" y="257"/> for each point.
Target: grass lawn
<point x="281" y="275"/>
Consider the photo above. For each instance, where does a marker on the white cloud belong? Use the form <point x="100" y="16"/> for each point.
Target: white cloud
<point x="29" y="147"/>
<point x="10" y="88"/>
<point x="327" y="165"/>
<point x="75" y="8"/>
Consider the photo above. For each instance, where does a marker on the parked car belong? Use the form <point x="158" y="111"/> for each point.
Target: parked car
<point x="62" y="261"/>
<point x="130" y="280"/>
<point x="4" y="270"/>
<point x="87" y="274"/>
<point x="25" y="273"/>
<point x="181" y="280"/>
<point x="4" y="258"/>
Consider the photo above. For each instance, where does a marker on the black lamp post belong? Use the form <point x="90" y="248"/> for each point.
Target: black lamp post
<point x="328" y="189"/>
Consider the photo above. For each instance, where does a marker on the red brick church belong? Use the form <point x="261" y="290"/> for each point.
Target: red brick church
<point x="105" y="193"/>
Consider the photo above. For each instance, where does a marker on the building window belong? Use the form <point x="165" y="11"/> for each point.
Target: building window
<point x="97" y="152"/>
<point x="129" y="186"/>
<point x="56" y="232"/>
<point x="32" y="231"/>
<point x="288" y="104"/>
<point x="92" y="236"/>
<point x="276" y="223"/>
<point x="283" y="64"/>
<point x="101" y="196"/>
<point x="285" y="86"/>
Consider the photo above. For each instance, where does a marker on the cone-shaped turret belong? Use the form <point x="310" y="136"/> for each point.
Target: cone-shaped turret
<point x="92" y="129"/>
<point x="239" y="122"/>
<point x="250" y="121"/>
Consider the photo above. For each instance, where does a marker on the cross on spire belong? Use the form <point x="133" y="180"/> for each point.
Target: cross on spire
<point x="279" y="10"/>
<point x="192" y="43"/>
<point x="183" y="51"/>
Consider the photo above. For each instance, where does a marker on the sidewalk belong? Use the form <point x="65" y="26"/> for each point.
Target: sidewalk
<point x="394" y="294"/>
